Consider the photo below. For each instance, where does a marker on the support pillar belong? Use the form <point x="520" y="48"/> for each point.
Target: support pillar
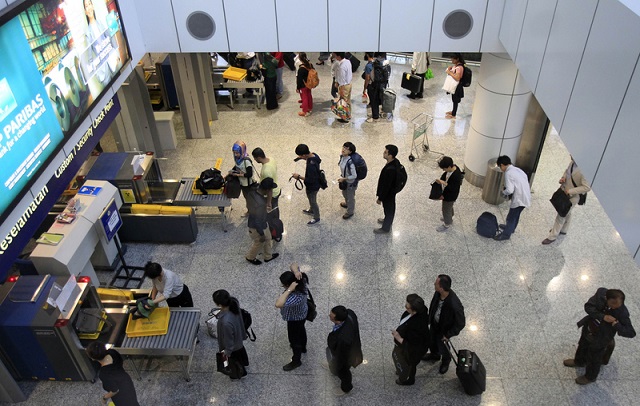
<point x="194" y="85"/>
<point x="499" y="113"/>
<point x="135" y="127"/>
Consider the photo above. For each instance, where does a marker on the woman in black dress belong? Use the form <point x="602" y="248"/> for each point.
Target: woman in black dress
<point x="115" y="380"/>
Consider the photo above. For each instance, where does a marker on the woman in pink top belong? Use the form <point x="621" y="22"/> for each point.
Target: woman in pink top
<point x="456" y="71"/>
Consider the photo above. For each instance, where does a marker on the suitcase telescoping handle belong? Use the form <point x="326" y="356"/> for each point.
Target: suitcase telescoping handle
<point x="452" y="351"/>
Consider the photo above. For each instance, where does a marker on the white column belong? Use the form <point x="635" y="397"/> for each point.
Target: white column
<point x="499" y="113"/>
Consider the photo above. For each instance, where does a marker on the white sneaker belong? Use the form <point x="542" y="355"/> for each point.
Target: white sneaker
<point x="442" y="228"/>
<point x="372" y="120"/>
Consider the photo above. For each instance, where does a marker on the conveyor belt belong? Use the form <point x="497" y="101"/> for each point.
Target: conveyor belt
<point x="185" y="197"/>
<point x="179" y="341"/>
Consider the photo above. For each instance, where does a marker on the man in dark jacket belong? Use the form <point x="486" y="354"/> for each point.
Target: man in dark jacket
<point x="344" y="349"/>
<point x="387" y="188"/>
<point x="451" y="180"/>
<point x="311" y="180"/>
<point x="446" y="319"/>
<point x="606" y="316"/>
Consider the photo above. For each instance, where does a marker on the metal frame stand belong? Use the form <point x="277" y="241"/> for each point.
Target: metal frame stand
<point x="130" y="276"/>
<point x="421" y="124"/>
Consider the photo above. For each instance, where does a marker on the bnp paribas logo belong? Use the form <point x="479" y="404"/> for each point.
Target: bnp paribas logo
<point x="7" y="100"/>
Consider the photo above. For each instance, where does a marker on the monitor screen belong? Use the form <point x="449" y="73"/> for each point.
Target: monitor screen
<point x="111" y="220"/>
<point x="57" y="58"/>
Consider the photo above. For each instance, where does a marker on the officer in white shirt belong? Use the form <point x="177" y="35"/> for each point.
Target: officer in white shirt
<point x="516" y="187"/>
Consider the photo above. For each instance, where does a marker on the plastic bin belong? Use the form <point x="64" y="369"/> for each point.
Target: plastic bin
<point x="236" y="74"/>
<point x="156" y="325"/>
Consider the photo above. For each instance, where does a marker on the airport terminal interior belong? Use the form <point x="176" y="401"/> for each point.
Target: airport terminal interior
<point x="522" y="299"/>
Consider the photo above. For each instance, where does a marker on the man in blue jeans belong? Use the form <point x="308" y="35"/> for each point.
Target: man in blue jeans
<point x="311" y="180"/>
<point x="516" y="187"/>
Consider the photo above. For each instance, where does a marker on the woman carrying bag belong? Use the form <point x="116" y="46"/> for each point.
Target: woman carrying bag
<point x="115" y="380"/>
<point x="411" y="339"/>
<point x="455" y="73"/>
<point x="294" y="308"/>
<point x="231" y="334"/>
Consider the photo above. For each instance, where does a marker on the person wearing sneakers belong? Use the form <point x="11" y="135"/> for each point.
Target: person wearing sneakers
<point x="348" y="179"/>
<point x="518" y="190"/>
<point x="293" y="308"/>
<point x="606" y="316"/>
<point x="575" y="186"/>
<point x="269" y="170"/>
<point x="258" y="227"/>
<point x="456" y="70"/>
<point x="311" y="180"/>
<point x="386" y="191"/>
<point x="451" y="180"/>
<point x="306" y="99"/>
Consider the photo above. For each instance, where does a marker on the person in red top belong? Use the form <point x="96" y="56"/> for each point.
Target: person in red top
<point x="279" y="86"/>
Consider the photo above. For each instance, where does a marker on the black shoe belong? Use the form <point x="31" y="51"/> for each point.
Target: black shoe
<point x="405" y="383"/>
<point x="274" y="256"/>
<point x="501" y="237"/>
<point x="291" y="366"/>
<point x="342" y="121"/>
<point x="431" y="357"/>
<point x="419" y="96"/>
<point x="503" y="226"/>
<point x="254" y="261"/>
<point x="411" y="96"/>
<point x="304" y="350"/>
<point x="444" y="368"/>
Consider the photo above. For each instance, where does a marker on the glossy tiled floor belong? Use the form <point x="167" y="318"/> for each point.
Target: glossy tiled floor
<point x="522" y="299"/>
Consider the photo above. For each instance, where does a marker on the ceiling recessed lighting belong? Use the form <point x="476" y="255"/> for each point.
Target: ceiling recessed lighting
<point x="339" y="275"/>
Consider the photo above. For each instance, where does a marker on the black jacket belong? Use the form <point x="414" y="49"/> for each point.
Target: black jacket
<point x="257" y="207"/>
<point x="415" y="334"/>
<point x="312" y="173"/>
<point x="452" y="319"/>
<point x="303" y="74"/>
<point x="345" y="345"/>
<point x="387" y="180"/>
<point x="596" y="308"/>
<point x="452" y="190"/>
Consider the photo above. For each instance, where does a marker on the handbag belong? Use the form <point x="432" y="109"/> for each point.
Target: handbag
<point x="450" y="84"/>
<point x="222" y="363"/>
<point x="341" y="109"/>
<point x="343" y="185"/>
<point x="312" y="313"/>
<point x="436" y="191"/>
<point x="428" y="74"/>
<point x="212" y="323"/>
<point x="561" y="202"/>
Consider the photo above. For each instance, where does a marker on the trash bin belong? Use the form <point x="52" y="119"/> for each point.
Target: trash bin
<point x="493" y="183"/>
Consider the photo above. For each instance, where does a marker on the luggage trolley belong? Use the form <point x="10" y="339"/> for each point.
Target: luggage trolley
<point x="421" y="124"/>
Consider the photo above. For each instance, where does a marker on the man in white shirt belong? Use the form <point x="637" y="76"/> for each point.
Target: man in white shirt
<point x="516" y="187"/>
<point x="343" y="81"/>
<point x="419" y="67"/>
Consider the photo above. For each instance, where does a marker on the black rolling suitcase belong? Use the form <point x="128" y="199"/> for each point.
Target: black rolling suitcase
<point x="411" y="82"/>
<point x="469" y="369"/>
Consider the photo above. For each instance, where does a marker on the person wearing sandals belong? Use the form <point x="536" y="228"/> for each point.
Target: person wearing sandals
<point x="456" y="70"/>
<point x="231" y="333"/>
<point x="293" y="308"/>
<point x="305" y="93"/>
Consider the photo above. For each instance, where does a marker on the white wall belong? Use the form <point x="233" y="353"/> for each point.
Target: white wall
<point x="581" y="57"/>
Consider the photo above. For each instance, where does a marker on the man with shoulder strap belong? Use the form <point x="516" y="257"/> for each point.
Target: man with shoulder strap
<point x="574" y="185"/>
<point x="386" y="191"/>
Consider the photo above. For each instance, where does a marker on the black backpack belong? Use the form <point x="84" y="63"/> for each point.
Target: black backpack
<point x="381" y="72"/>
<point x="360" y="164"/>
<point x="487" y="225"/>
<point x="401" y="179"/>
<point x="232" y="187"/>
<point x="276" y="227"/>
<point x="210" y="179"/>
<point x="246" y="319"/>
<point x="466" y="76"/>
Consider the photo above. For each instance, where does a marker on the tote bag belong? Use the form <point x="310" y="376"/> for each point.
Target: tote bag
<point x="436" y="191"/>
<point x="450" y="84"/>
<point x="561" y="202"/>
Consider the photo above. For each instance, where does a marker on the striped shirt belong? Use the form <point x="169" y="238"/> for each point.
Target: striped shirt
<point x="295" y="308"/>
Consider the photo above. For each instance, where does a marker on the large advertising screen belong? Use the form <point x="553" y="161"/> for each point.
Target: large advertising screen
<point x="57" y="57"/>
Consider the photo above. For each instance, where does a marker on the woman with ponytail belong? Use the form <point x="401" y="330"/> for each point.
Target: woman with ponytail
<point x="231" y="333"/>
